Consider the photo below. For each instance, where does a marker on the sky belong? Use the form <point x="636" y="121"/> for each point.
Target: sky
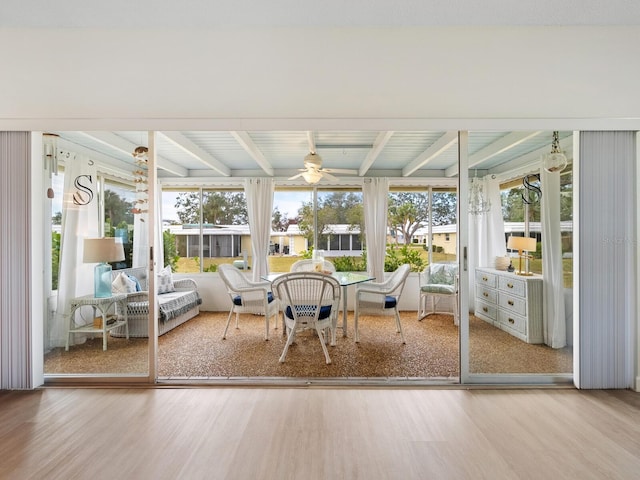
<point x="287" y="202"/>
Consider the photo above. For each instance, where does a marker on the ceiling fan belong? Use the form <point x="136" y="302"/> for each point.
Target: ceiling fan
<point x="313" y="171"/>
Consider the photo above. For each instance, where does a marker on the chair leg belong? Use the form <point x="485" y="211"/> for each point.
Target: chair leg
<point x="324" y="347"/>
<point x="267" y="319"/>
<point x="292" y="334"/>
<point x="333" y="329"/>
<point x="399" y="325"/>
<point x="224" y="335"/>
<point x="422" y="307"/>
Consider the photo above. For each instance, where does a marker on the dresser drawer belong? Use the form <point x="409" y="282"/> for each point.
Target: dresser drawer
<point x="486" y="310"/>
<point x="513" y="321"/>
<point x="514" y="286"/>
<point x="487" y="294"/>
<point x="512" y="303"/>
<point x="486" y="279"/>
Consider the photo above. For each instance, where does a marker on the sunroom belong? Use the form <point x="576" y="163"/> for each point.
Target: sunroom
<point x="183" y="199"/>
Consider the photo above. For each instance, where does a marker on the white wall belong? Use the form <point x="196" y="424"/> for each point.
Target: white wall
<point x="349" y="78"/>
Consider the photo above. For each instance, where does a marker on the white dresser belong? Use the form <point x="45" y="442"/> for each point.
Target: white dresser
<point x="510" y="302"/>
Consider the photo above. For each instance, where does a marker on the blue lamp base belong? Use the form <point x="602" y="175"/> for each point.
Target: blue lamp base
<point x="102" y="280"/>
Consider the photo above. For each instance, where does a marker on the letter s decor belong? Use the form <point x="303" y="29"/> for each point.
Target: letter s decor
<point x="84" y="194"/>
<point x="531" y="187"/>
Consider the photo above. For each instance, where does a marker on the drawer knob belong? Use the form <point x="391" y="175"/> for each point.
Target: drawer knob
<point x="485" y="309"/>
<point x="510" y="285"/>
<point x="510" y="302"/>
<point x="512" y="321"/>
<point x="485" y="294"/>
<point x="484" y="279"/>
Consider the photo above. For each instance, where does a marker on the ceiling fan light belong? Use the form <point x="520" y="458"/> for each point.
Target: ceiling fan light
<point x="312" y="176"/>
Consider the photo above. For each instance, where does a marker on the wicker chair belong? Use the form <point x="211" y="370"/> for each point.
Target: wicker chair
<point x="438" y="281"/>
<point x="381" y="298"/>
<point x="248" y="297"/>
<point x="308" y="300"/>
<point x="309" y="266"/>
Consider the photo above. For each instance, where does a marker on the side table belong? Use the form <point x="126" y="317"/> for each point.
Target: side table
<point x="118" y="300"/>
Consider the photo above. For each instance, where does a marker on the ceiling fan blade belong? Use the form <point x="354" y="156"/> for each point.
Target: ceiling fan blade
<point x="296" y="176"/>
<point x="328" y="176"/>
<point x="342" y="171"/>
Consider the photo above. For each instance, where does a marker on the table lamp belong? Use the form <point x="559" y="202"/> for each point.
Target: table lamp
<point x="522" y="244"/>
<point x="101" y="251"/>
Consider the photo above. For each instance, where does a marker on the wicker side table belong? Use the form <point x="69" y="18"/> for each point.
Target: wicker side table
<point x="103" y="305"/>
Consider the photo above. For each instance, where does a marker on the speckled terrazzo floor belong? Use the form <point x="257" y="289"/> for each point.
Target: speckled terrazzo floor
<point x="196" y="349"/>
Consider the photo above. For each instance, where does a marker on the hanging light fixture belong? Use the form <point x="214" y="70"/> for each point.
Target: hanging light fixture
<point x="141" y="153"/>
<point x="478" y="201"/>
<point x="556" y="161"/>
<point x="312" y="176"/>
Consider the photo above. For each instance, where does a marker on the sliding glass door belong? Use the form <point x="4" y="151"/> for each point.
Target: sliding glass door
<point x="519" y="257"/>
<point x="97" y="222"/>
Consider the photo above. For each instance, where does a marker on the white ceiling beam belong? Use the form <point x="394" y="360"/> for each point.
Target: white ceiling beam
<point x="125" y="146"/>
<point x="378" y="145"/>
<point x="439" y="146"/>
<point x="187" y="146"/>
<point x="244" y="139"/>
<point x="501" y="145"/>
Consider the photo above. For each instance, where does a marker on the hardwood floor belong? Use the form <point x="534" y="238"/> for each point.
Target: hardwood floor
<point x="319" y="433"/>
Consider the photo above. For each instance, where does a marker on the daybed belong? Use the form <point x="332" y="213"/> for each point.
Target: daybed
<point x="178" y="303"/>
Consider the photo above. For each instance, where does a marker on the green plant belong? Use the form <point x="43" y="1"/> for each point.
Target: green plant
<point x="171" y="256"/>
<point x="348" y="264"/>
<point x="211" y="268"/>
<point x="307" y="254"/>
<point x="55" y="259"/>
<point x="399" y="256"/>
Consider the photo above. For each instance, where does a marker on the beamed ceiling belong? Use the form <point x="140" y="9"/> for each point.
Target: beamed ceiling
<point x="232" y="155"/>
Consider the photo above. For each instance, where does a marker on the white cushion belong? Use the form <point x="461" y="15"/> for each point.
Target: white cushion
<point x="123" y="284"/>
<point x="165" y="281"/>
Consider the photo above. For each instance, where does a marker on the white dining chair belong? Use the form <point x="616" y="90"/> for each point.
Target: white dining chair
<point x="381" y="298"/>
<point x="248" y="297"/>
<point x="307" y="265"/>
<point x="308" y="301"/>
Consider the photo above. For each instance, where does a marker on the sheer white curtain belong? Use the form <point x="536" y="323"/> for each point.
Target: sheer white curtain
<point x="486" y="233"/>
<point x="79" y="221"/>
<point x="375" y="192"/>
<point x="554" y="323"/>
<point x="259" y="192"/>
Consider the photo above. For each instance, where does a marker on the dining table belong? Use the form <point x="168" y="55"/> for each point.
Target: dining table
<point x="344" y="278"/>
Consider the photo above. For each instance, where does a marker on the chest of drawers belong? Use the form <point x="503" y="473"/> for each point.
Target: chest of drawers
<point x="510" y="302"/>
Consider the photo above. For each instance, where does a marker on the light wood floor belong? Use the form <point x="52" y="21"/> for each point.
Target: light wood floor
<point x="319" y="433"/>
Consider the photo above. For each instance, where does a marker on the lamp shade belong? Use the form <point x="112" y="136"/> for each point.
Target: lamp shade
<point x="526" y="244"/>
<point x="102" y="250"/>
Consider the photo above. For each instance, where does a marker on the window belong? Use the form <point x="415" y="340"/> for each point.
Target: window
<point x="119" y="201"/>
<point x="338" y="216"/>
<point x="408" y="220"/>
